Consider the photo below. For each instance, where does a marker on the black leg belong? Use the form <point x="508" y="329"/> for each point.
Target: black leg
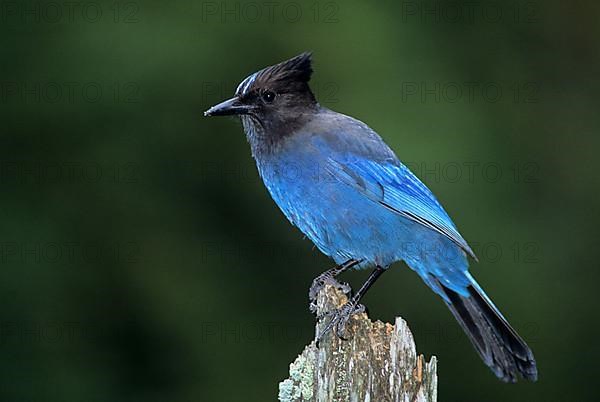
<point x="328" y="278"/>
<point x="343" y="314"/>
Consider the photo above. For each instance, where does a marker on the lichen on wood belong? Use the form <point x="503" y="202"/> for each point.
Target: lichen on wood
<point x="377" y="363"/>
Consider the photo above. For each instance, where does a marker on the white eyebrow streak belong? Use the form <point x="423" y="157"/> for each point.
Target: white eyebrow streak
<point x="244" y="85"/>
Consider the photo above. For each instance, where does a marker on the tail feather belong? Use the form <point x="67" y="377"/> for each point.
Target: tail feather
<point x="498" y="344"/>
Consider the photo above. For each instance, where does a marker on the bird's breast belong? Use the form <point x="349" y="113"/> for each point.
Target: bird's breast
<point x="339" y="220"/>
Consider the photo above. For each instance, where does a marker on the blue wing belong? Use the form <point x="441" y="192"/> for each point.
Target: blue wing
<point x="358" y="157"/>
<point x="396" y="188"/>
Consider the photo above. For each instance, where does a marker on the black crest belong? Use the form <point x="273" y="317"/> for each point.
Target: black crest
<point x="291" y="75"/>
<point x="296" y="69"/>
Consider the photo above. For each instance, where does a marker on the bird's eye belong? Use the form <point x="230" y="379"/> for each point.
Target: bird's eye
<point x="268" y="96"/>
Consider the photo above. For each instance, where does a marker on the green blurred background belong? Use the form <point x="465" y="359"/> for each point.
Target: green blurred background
<point x="142" y="259"/>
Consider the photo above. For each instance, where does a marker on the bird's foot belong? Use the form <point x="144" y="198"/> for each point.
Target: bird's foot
<point x="319" y="283"/>
<point x="340" y="319"/>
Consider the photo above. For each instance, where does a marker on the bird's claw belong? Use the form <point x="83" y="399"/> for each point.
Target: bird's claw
<point x="319" y="283"/>
<point x="340" y="319"/>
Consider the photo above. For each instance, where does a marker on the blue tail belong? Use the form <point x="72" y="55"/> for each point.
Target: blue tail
<point x="498" y="344"/>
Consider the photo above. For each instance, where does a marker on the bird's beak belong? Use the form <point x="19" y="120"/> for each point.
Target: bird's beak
<point x="231" y="106"/>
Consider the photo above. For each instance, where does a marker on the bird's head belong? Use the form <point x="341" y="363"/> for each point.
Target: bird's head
<point x="274" y="100"/>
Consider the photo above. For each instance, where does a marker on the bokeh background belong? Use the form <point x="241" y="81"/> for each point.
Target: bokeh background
<point x="142" y="259"/>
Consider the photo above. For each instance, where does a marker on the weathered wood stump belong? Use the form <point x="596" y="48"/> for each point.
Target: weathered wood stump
<point x="378" y="362"/>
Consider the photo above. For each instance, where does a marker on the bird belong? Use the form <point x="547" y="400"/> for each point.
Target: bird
<point x="340" y="184"/>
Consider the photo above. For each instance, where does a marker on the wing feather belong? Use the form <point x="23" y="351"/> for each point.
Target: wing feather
<point x="396" y="188"/>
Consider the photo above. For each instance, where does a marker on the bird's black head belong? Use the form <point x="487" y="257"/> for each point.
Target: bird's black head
<point x="273" y="101"/>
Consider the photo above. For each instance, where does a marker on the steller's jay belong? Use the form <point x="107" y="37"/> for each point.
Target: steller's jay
<point x="344" y="188"/>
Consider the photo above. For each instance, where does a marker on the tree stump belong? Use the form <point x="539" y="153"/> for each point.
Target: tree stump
<point x="378" y="362"/>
